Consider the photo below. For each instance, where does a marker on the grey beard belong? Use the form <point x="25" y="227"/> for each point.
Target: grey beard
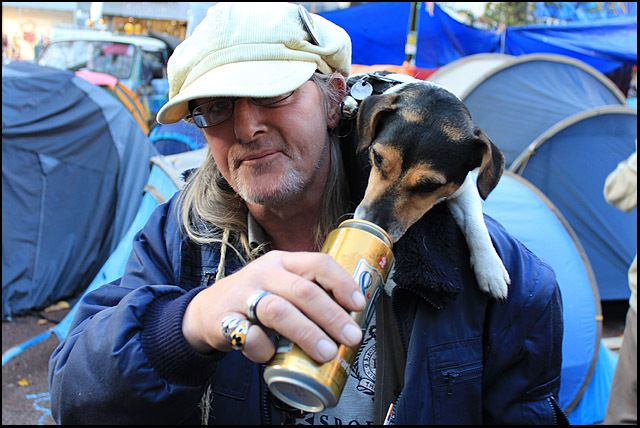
<point x="291" y="187"/>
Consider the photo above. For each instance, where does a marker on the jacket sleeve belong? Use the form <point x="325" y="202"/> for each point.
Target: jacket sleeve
<point x="621" y="185"/>
<point x="523" y="354"/>
<point x="125" y="359"/>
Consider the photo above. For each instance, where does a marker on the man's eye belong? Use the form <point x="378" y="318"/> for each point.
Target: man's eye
<point x="218" y="105"/>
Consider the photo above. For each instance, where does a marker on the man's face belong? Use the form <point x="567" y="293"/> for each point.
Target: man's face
<point x="273" y="155"/>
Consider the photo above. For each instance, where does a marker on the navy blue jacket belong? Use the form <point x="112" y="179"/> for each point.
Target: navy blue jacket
<point x="469" y="359"/>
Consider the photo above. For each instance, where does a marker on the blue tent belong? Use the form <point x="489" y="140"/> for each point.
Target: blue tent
<point x="177" y="138"/>
<point x="515" y="99"/>
<point x="587" y="367"/>
<point x="74" y="162"/>
<point x="520" y="102"/>
<point x="165" y="179"/>
<point x="569" y="163"/>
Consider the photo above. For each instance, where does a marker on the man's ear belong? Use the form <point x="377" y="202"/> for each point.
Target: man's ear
<point x="337" y="86"/>
<point x="371" y="110"/>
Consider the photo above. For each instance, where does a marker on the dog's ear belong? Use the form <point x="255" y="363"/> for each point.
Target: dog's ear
<point x="491" y="163"/>
<point x="370" y="112"/>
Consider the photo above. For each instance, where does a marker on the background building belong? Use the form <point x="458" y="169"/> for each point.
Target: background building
<point x="27" y="26"/>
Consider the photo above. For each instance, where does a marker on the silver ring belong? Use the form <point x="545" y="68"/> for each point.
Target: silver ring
<point x="252" y="304"/>
<point x="235" y="331"/>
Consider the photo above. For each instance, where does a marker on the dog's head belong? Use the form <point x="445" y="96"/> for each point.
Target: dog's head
<point x="422" y="144"/>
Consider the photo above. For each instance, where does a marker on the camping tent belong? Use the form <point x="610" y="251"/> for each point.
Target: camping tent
<point x="177" y="138"/>
<point x="515" y="99"/>
<point x="570" y="163"/>
<point x="587" y="367"/>
<point x="165" y="179"/>
<point x="519" y="101"/>
<point x="74" y="162"/>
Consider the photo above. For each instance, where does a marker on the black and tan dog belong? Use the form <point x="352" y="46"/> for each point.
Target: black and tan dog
<point x="422" y="145"/>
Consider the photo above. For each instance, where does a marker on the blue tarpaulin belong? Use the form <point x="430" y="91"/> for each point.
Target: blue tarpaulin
<point x="605" y="45"/>
<point x="379" y="30"/>
<point x="378" y="33"/>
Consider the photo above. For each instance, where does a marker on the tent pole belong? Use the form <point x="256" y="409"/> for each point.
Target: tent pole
<point x="411" y="47"/>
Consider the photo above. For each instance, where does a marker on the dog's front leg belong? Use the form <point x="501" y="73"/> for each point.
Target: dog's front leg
<point x="466" y="207"/>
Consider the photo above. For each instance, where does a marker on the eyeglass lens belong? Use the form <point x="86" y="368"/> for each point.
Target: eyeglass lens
<point x="216" y="111"/>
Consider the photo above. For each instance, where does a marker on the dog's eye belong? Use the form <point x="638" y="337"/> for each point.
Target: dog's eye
<point x="427" y="185"/>
<point x="377" y="159"/>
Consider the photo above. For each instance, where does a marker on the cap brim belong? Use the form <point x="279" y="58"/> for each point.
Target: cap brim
<point x="239" y="79"/>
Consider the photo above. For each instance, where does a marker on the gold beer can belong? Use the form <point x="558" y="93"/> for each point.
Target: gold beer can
<point x="364" y="250"/>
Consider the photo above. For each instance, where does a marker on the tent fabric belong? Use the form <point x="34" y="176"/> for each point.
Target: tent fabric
<point x="165" y="179"/>
<point x="515" y="99"/>
<point x="177" y="138"/>
<point x="73" y="167"/>
<point x="379" y="30"/>
<point x="605" y="44"/>
<point x="534" y="220"/>
<point x="570" y="163"/>
<point x="520" y="102"/>
<point x="593" y="403"/>
<point x="378" y="33"/>
<point x="584" y="11"/>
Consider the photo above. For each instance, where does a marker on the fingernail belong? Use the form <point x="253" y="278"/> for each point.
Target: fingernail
<point x="326" y="349"/>
<point x="358" y="299"/>
<point x="352" y="334"/>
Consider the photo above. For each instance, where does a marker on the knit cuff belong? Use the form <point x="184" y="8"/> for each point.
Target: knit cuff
<point x="166" y="347"/>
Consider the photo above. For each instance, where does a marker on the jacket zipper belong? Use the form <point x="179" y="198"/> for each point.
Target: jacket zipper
<point x="553" y="411"/>
<point x="264" y="401"/>
<point x="450" y="377"/>
<point x="208" y="277"/>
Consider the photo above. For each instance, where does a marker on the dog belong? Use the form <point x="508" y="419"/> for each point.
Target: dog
<point x="422" y="145"/>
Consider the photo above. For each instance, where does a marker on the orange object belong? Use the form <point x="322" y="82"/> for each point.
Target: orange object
<point x="124" y="94"/>
<point x="405" y="68"/>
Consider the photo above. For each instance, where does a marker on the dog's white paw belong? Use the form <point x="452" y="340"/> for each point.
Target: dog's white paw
<point x="491" y="275"/>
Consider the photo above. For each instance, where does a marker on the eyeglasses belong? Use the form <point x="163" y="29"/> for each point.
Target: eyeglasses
<point x="218" y="110"/>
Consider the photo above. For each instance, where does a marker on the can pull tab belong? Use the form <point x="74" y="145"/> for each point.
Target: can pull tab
<point x="361" y="90"/>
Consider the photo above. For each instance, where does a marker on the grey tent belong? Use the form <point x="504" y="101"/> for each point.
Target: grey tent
<point x="514" y="99"/>
<point x="74" y="163"/>
<point x="586" y="127"/>
<point x="570" y="163"/>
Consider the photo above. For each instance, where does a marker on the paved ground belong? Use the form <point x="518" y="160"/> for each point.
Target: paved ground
<point x="25" y="392"/>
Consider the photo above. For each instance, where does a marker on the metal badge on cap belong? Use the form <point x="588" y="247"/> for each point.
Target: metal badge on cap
<point x="308" y="24"/>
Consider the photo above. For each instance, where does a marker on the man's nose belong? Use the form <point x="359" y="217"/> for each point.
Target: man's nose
<point x="248" y="120"/>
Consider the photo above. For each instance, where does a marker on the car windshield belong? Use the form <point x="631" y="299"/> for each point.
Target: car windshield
<point x="115" y="59"/>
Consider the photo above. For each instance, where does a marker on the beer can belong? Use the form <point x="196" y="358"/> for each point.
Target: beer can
<point x="364" y="250"/>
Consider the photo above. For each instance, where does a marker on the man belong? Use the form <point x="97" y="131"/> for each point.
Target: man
<point x="621" y="191"/>
<point x="264" y="82"/>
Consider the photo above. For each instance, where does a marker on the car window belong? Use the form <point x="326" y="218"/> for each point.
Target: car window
<point x="115" y="59"/>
